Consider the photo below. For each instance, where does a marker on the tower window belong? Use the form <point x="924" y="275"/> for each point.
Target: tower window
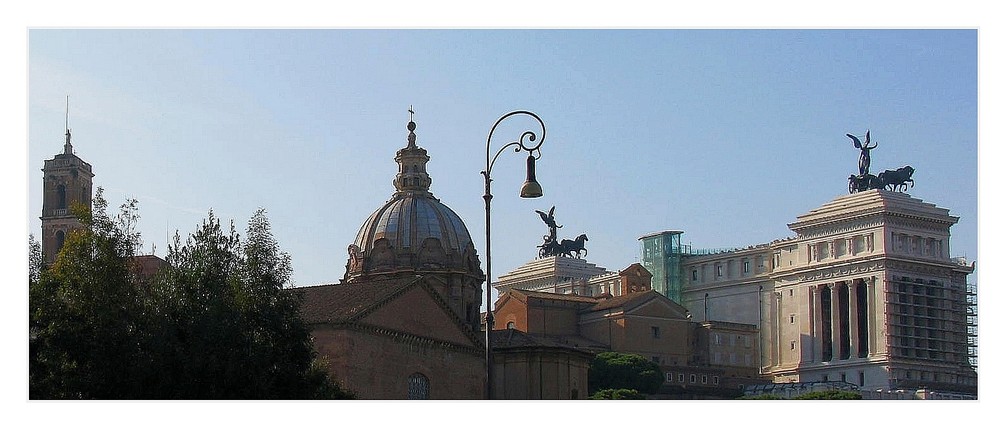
<point x="61" y="191"/>
<point x="418" y="387"/>
<point x="60" y="240"/>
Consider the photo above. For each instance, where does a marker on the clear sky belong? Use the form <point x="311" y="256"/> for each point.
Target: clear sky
<point x="727" y="135"/>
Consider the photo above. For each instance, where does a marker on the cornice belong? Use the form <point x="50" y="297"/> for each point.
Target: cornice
<point x="833" y="270"/>
<point x="407" y="337"/>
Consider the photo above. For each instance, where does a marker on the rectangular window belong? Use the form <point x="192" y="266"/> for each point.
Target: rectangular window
<point x="718" y="271"/>
<point x="692" y="379"/>
<point x="669" y="376"/>
<point x="793" y="345"/>
<point x="704" y="379"/>
<point x="694" y="275"/>
<point x="861" y="378"/>
<point x="680" y="377"/>
<point x="791" y="319"/>
<point x="715" y="380"/>
<point x="746" y="266"/>
<point x="718" y="339"/>
<point x="655" y="331"/>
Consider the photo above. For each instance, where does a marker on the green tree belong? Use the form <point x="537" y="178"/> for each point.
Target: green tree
<point x="86" y="319"/>
<point x="618" y="394"/>
<point x="612" y="370"/>
<point x="830" y="394"/>
<point x="215" y="323"/>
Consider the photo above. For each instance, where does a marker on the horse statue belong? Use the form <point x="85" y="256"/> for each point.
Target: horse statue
<point x="894" y="179"/>
<point x="573" y="248"/>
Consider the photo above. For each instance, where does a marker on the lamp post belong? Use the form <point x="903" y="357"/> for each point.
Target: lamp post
<point x="530" y="189"/>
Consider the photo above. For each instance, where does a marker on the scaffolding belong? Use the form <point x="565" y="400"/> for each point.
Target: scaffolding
<point x="972" y="321"/>
<point x="931" y="321"/>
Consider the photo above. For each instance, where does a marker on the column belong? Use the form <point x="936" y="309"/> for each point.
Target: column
<point x="835" y="319"/>
<point x="852" y="316"/>
<point x="816" y="309"/>
<point x="876" y="304"/>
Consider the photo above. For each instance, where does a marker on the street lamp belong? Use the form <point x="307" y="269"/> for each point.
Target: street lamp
<point x="530" y="189"/>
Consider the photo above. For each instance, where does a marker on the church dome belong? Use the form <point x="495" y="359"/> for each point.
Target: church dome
<point x="413" y="231"/>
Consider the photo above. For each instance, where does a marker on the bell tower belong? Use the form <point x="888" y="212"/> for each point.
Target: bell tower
<point x="66" y="180"/>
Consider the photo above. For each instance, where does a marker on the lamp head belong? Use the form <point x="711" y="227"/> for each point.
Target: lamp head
<point x="531" y="188"/>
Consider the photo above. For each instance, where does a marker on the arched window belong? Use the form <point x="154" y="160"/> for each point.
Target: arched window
<point x="418" y="387"/>
<point x="510" y="325"/>
<point x="60" y="239"/>
<point x="61" y="191"/>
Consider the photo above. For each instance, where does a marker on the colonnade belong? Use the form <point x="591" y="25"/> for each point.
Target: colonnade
<point x="842" y="319"/>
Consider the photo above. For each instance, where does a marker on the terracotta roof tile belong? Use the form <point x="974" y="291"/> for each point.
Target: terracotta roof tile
<point x="557" y="296"/>
<point x="341" y="302"/>
<point x="622" y="300"/>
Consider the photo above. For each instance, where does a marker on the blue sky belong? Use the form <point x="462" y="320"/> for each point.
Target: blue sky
<point x="727" y="135"/>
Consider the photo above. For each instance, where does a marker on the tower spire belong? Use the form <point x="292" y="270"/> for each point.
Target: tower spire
<point x="412" y="160"/>
<point x="68" y="147"/>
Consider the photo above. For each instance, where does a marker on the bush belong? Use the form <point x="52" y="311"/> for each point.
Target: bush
<point x="830" y="394"/>
<point x="618" y="394"/>
<point x="612" y="370"/>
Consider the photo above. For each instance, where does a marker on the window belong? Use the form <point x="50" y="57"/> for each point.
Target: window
<point x="791" y="318"/>
<point x="510" y="325"/>
<point x="704" y="379"/>
<point x="746" y="266"/>
<point x="718" y="338"/>
<point x="694" y="275"/>
<point x="655" y="331"/>
<point x="680" y="377"/>
<point x="843" y="376"/>
<point x="692" y="379"/>
<point x="861" y="378"/>
<point x="61" y="191"/>
<point x="715" y="380"/>
<point x="718" y="271"/>
<point x="669" y="376"/>
<point x="419" y="387"/>
<point x="60" y="240"/>
<point x="793" y="345"/>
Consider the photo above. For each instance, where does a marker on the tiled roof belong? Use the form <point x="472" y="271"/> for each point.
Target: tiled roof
<point x="512" y="338"/>
<point x="342" y="302"/>
<point x="623" y="300"/>
<point x="557" y="296"/>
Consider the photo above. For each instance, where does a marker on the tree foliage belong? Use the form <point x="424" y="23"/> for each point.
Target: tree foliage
<point x="618" y="394"/>
<point x="830" y="394"/>
<point x="822" y="395"/>
<point x="215" y="323"/>
<point x="612" y="370"/>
